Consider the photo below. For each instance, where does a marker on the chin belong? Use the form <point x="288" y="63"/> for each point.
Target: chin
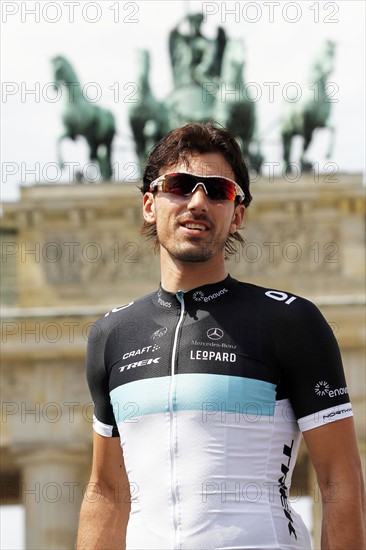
<point x="202" y="254"/>
<point x="192" y="258"/>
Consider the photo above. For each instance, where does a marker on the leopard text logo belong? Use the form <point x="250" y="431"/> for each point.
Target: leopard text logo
<point x="213" y="356"/>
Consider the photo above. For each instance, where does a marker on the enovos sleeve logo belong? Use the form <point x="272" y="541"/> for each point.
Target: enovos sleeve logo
<point x="322" y="388"/>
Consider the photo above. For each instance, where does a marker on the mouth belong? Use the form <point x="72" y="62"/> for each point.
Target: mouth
<point x="195" y="226"/>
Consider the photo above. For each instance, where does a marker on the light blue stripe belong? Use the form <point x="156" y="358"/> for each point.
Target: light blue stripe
<point x="207" y="392"/>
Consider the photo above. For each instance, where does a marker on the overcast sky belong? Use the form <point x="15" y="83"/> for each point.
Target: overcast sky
<point x="100" y="40"/>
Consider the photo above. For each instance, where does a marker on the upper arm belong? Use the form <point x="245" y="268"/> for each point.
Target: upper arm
<point x="334" y="454"/>
<point x="108" y="467"/>
<point x="107" y="500"/>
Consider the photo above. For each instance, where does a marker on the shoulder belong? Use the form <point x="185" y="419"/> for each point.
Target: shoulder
<point x="279" y="310"/>
<point x="118" y="316"/>
<point x="280" y="302"/>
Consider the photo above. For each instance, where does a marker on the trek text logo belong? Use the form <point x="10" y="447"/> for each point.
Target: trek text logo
<point x="287" y="451"/>
<point x="140" y="364"/>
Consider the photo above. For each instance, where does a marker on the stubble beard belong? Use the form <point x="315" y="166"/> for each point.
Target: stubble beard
<point x="199" y="252"/>
<point x="193" y="249"/>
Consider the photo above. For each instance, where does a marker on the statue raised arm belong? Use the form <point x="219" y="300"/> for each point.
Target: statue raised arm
<point x="194" y="57"/>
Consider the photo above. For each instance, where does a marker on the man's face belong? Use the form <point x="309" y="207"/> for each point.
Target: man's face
<point x="194" y="228"/>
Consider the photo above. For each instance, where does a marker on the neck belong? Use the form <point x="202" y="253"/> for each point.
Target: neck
<point x="178" y="275"/>
<point x="74" y="91"/>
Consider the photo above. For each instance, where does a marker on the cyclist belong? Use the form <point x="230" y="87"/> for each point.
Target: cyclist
<point x="202" y="388"/>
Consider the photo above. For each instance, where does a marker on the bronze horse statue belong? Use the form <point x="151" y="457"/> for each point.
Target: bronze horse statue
<point x="310" y="113"/>
<point x="147" y="116"/>
<point x="83" y="118"/>
<point x="236" y="111"/>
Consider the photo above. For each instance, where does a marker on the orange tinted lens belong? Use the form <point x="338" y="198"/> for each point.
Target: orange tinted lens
<point x="220" y="189"/>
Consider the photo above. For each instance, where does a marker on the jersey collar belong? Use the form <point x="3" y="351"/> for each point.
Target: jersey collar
<point x="198" y="297"/>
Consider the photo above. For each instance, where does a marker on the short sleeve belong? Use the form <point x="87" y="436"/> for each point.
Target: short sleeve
<point x="310" y="367"/>
<point x="103" y="419"/>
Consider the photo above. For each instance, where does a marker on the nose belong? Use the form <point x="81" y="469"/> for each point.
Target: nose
<point x="197" y="200"/>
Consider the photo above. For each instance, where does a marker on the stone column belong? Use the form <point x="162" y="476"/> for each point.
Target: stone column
<point x="51" y="492"/>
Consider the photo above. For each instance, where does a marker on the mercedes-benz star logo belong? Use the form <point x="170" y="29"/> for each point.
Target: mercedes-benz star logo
<point x="215" y="333"/>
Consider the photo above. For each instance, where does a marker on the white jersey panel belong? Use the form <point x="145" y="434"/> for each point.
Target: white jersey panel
<point x="222" y="490"/>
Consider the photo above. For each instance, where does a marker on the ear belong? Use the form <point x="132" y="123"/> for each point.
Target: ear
<point x="148" y="208"/>
<point x="237" y="219"/>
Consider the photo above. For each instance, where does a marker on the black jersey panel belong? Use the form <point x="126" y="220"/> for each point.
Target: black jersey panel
<point x="210" y="340"/>
<point x="312" y="375"/>
<point x="229" y="328"/>
<point x="96" y="374"/>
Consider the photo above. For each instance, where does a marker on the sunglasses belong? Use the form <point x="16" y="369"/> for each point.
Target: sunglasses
<point x="217" y="188"/>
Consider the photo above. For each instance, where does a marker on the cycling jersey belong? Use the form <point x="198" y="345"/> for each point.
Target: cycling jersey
<point x="208" y="391"/>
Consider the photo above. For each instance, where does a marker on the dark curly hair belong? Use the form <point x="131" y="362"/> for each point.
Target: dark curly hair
<point x="179" y="145"/>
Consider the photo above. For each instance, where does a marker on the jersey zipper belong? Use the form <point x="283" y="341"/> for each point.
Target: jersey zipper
<point x="173" y="450"/>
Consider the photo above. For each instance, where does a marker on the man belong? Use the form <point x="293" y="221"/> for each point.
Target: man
<point x="206" y="384"/>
